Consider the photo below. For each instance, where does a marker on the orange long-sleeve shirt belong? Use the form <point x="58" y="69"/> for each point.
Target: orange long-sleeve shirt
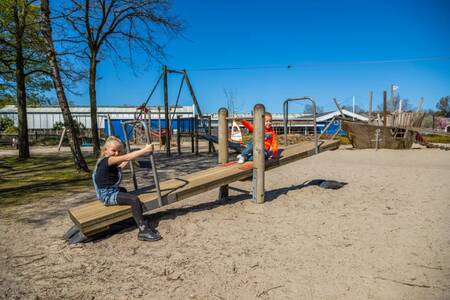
<point x="270" y="137"/>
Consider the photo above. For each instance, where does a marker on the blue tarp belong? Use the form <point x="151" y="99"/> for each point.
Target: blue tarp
<point x="186" y="125"/>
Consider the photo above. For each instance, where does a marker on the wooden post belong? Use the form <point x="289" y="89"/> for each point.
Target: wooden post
<point x="259" y="160"/>
<point x="178" y="135"/>
<point x="191" y="91"/>
<point x="384" y="108"/>
<point x="196" y="134"/>
<point x="159" y="126"/>
<point x="370" y="105"/>
<point x="62" y="138"/>
<point x="166" y="110"/>
<point x="192" y="134"/>
<point x="223" y="146"/>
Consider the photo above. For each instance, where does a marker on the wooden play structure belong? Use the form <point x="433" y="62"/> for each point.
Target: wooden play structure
<point x="92" y="218"/>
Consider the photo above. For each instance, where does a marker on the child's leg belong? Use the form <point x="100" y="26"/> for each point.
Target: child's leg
<point x="248" y="151"/>
<point x="146" y="232"/>
<point x="136" y="205"/>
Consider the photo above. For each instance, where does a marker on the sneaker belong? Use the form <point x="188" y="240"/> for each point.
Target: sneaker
<point x="239" y="156"/>
<point x="241" y="160"/>
<point x="147" y="234"/>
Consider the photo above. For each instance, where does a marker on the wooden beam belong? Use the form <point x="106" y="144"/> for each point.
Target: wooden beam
<point x="94" y="217"/>
<point x="191" y="91"/>
<point x="166" y="110"/>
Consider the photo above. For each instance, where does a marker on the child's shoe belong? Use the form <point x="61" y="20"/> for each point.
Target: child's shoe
<point x="147" y="234"/>
<point x="241" y="160"/>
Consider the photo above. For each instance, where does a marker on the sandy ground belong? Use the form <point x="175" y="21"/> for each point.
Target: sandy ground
<point x="385" y="235"/>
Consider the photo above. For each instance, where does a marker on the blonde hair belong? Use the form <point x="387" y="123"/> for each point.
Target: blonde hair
<point x="109" y="141"/>
<point x="267" y="114"/>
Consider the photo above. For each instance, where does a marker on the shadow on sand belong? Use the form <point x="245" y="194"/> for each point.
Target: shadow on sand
<point x="173" y="213"/>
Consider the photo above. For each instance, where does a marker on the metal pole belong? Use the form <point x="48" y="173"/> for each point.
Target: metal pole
<point x="286" y="108"/>
<point x="153" y="165"/>
<point x="223" y="146"/>
<point x="339" y="107"/>
<point x="285" y="119"/>
<point x="110" y="128"/>
<point x="127" y="146"/>
<point x="370" y="105"/>
<point x="259" y="160"/>
<point x="166" y="111"/>
<point x="353" y="108"/>
<point x="326" y="127"/>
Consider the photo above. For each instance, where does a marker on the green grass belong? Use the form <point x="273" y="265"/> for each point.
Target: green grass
<point x="437" y="139"/>
<point x="41" y="176"/>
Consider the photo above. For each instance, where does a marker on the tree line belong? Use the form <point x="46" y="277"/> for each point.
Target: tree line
<point x="49" y="47"/>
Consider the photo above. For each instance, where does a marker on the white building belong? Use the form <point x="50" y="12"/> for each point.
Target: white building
<point x="44" y="117"/>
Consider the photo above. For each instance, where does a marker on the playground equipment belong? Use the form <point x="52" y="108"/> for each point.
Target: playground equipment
<point x="189" y="127"/>
<point x="286" y="114"/>
<point x="93" y="217"/>
<point x="198" y="127"/>
<point x="152" y="166"/>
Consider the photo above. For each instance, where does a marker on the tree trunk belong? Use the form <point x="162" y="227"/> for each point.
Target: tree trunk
<point x="80" y="163"/>
<point x="93" y="102"/>
<point x="24" y="146"/>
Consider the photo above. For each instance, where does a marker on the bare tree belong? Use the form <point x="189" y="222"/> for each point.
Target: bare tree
<point x="229" y="95"/>
<point x="80" y="163"/>
<point x="308" y="109"/>
<point x="102" y="27"/>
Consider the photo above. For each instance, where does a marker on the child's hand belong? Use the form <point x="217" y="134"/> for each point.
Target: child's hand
<point x="123" y="165"/>
<point x="148" y="148"/>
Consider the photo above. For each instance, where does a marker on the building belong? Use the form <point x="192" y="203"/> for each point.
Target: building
<point x="44" y="117"/>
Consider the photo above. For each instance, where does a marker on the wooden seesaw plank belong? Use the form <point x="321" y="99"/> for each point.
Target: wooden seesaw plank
<point x="95" y="217"/>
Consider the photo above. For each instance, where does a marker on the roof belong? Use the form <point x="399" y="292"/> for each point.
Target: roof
<point x="347" y="113"/>
<point x="87" y="109"/>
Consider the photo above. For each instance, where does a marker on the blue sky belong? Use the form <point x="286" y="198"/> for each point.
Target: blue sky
<point x="319" y="39"/>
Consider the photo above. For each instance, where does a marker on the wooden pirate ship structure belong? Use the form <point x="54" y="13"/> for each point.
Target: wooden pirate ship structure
<point x="394" y="132"/>
<point x="389" y="130"/>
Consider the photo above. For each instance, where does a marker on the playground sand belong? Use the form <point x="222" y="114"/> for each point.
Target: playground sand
<point x="385" y="235"/>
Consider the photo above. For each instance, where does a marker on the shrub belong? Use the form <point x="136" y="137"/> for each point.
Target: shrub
<point x="5" y="123"/>
<point x="79" y="127"/>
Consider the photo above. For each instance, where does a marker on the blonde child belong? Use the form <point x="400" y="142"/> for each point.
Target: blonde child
<point x="107" y="177"/>
<point x="270" y="140"/>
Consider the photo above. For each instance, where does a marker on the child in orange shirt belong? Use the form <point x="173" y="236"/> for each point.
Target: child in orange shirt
<point x="270" y="140"/>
